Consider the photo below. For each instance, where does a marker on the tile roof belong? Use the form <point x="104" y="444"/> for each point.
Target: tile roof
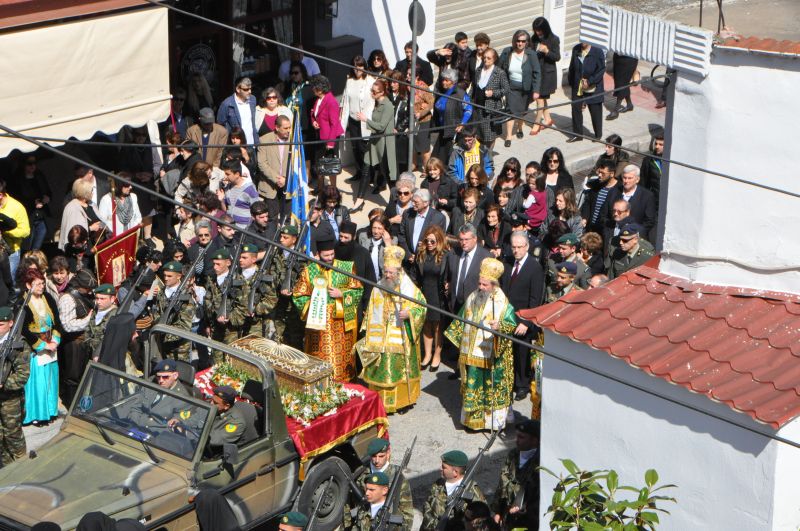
<point x="761" y="45"/>
<point x="734" y="345"/>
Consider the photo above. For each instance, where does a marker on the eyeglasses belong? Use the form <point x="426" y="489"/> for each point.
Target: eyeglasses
<point x="163" y="376"/>
<point x="553" y="161"/>
<point x="618" y="211"/>
<point x="403" y="193"/>
<point x="431" y="241"/>
<point x="522" y="40"/>
<point x="246" y="89"/>
<point x="203" y="235"/>
<point x="272" y="97"/>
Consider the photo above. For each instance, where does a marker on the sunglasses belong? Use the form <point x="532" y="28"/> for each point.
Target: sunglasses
<point x="433" y="242"/>
<point x="272" y="97"/>
<point x="246" y="89"/>
<point x="403" y="193"/>
<point x="203" y="235"/>
<point x="522" y="40"/>
<point x="553" y="161"/>
<point x="163" y="376"/>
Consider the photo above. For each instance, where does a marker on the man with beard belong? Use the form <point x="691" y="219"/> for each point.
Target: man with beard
<point x="120" y="212"/>
<point x="599" y="190"/>
<point x="390" y="350"/>
<point x="75" y="310"/>
<point x="348" y="250"/>
<point x="328" y="302"/>
<point x="485" y="361"/>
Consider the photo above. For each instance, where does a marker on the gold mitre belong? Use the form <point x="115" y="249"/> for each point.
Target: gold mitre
<point x="491" y="269"/>
<point x="393" y="256"/>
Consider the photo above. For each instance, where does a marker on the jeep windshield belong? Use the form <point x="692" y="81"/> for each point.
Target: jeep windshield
<point x="141" y="411"/>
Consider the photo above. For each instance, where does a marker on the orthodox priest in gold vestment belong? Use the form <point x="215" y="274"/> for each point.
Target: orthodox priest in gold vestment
<point x="390" y="350"/>
<point x="328" y="303"/>
<point x="485" y="361"/>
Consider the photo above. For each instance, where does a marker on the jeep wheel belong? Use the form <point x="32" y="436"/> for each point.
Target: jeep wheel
<point x="330" y="510"/>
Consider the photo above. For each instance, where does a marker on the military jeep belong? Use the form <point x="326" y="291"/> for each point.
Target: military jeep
<point x="108" y="458"/>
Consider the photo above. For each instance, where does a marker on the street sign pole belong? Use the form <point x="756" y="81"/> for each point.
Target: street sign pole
<point x="417" y="21"/>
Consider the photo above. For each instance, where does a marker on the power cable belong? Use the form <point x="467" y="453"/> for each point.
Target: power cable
<point x="375" y="285"/>
<point x="483" y="107"/>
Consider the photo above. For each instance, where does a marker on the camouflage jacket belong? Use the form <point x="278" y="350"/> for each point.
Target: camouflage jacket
<point x="16" y="371"/>
<point x="267" y="296"/>
<point x="436" y="504"/>
<point x="237" y="302"/>
<point x="404" y="505"/>
<point x="512" y="479"/>
<point x="94" y="332"/>
<point x="181" y="316"/>
<point x="362" y="521"/>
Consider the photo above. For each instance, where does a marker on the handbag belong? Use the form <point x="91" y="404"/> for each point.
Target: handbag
<point x="329" y="165"/>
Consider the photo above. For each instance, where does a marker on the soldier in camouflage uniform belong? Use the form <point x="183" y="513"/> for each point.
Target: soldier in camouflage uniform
<point x="260" y="323"/>
<point x="376" y="488"/>
<point x="181" y="315"/>
<point x="519" y="474"/>
<point x="106" y="301"/>
<point x="292" y="521"/>
<point x="289" y="328"/>
<point x="564" y="282"/>
<point x="454" y="464"/>
<point x="15" y="373"/>
<point x="224" y="328"/>
<point x="380" y="454"/>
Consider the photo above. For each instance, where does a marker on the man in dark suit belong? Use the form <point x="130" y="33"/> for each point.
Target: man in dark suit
<point x="415" y="221"/>
<point x="523" y="284"/>
<point x="641" y="201"/>
<point x="425" y="72"/>
<point x="586" y="69"/>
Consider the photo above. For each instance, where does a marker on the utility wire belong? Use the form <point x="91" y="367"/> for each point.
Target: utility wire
<point x="365" y="281"/>
<point x="482" y="107"/>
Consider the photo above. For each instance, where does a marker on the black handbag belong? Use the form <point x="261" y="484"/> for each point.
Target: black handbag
<point x="329" y="165"/>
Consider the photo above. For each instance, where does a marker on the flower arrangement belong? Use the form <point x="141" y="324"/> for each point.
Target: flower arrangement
<point x="306" y="406"/>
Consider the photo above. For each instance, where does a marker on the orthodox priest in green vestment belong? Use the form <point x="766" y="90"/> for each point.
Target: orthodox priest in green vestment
<point x="485" y="361"/>
<point x="390" y="349"/>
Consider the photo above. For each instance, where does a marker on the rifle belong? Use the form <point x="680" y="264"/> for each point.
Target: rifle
<point x="460" y="491"/>
<point x="128" y="300"/>
<point x="179" y="295"/>
<point x="13" y="341"/>
<point x="262" y="273"/>
<point x="313" y="519"/>
<point x="292" y="260"/>
<point x="385" y="517"/>
<point x="226" y="286"/>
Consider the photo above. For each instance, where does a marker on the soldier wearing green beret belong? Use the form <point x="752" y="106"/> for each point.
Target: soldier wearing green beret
<point x="376" y="487"/>
<point x="105" y="299"/>
<point x="516" y="499"/>
<point x="568" y="250"/>
<point x="289" y="328"/>
<point x="260" y="323"/>
<point x="223" y="328"/>
<point x="454" y="464"/>
<point x="181" y="316"/>
<point x="564" y="281"/>
<point x="15" y="373"/>
<point x="380" y="454"/>
<point x="292" y="521"/>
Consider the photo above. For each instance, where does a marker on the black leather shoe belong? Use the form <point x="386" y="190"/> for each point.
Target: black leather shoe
<point x="627" y="108"/>
<point x="507" y="143"/>
<point x="572" y="139"/>
<point x="424" y="366"/>
<point x="454" y="376"/>
<point x="519" y="134"/>
<point x="433" y="368"/>
<point x="613" y="115"/>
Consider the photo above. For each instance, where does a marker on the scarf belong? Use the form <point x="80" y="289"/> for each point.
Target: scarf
<point x="125" y="210"/>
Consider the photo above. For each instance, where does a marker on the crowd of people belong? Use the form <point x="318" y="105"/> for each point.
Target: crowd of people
<point x="461" y="234"/>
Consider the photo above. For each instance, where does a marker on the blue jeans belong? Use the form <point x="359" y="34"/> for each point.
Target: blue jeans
<point x="38" y="232"/>
<point x="13" y="262"/>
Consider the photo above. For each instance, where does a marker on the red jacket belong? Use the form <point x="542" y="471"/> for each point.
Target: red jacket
<point x="327" y="116"/>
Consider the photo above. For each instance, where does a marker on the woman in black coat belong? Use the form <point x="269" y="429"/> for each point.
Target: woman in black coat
<point x="521" y="65"/>
<point x="624" y="70"/>
<point x="488" y="89"/>
<point x="548" y="49"/>
<point x="556" y="172"/>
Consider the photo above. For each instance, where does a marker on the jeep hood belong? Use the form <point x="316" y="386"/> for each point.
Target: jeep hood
<point x="73" y="476"/>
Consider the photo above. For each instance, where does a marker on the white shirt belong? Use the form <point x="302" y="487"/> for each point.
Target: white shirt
<point x="168" y="292"/>
<point x="484" y="77"/>
<point x="246" y="114"/>
<point x="221" y="278"/>
<point x="627" y="195"/>
<point x="375" y="256"/>
<point x="98" y="316"/>
<point x="515" y="68"/>
<point x="451" y="487"/>
<point x="526" y="456"/>
<point x="465" y="262"/>
<point x="374" y="508"/>
<point x="419" y="221"/>
<point x="309" y="62"/>
<point x="249" y="272"/>
<point x="521" y="263"/>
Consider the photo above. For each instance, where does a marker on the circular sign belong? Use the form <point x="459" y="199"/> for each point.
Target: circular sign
<point x="420" y="17"/>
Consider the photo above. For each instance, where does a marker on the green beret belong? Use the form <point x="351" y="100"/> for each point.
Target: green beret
<point x="455" y="458"/>
<point x="250" y="248"/>
<point x="569" y="239"/>
<point x="378" y="478"/>
<point x="221" y="254"/>
<point x="174" y="266"/>
<point x="290" y="230"/>
<point x="377" y="446"/>
<point x="105" y="289"/>
<point x="6" y="314"/>
<point x="295" y="519"/>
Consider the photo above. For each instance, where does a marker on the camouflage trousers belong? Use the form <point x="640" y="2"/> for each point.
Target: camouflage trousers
<point x="12" y="440"/>
<point x="223" y="334"/>
<point x="176" y="350"/>
<point x="289" y="328"/>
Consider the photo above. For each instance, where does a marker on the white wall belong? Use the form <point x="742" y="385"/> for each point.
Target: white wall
<point x="724" y="474"/>
<point x="383" y="24"/>
<point x="555" y="11"/>
<point x="786" y="514"/>
<point x="740" y="120"/>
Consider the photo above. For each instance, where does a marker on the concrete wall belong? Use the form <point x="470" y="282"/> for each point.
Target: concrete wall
<point x="786" y="510"/>
<point x="383" y="24"/>
<point x="739" y="120"/>
<point x="555" y="11"/>
<point x="724" y="474"/>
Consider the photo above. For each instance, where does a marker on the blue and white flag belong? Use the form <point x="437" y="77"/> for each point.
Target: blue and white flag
<point x="297" y="184"/>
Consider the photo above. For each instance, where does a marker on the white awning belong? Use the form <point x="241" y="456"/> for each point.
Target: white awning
<point x="72" y="79"/>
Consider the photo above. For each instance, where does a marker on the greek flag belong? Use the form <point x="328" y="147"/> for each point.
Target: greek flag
<point x="297" y="185"/>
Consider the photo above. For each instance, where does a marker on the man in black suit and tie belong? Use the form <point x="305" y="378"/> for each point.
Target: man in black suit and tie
<point x="523" y="284"/>
<point x="415" y="221"/>
<point x="642" y="203"/>
<point x="461" y="270"/>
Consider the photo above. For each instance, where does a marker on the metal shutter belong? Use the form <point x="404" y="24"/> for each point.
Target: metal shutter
<point x="497" y="18"/>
